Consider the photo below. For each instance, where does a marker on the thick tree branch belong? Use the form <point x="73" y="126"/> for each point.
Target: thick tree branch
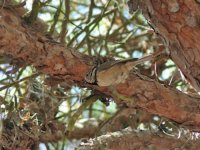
<point x="135" y="140"/>
<point x="178" y="22"/>
<point x="86" y="132"/>
<point x="30" y="47"/>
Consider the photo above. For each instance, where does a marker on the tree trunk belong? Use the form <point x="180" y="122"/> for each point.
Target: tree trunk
<point x="178" y="23"/>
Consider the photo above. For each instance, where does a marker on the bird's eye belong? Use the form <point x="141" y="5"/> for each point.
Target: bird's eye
<point x="91" y="76"/>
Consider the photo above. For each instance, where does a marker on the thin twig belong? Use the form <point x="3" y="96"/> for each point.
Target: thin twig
<point x="18" y="81"/>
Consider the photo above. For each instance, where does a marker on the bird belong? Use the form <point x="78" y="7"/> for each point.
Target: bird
<point x="113" y="72"/>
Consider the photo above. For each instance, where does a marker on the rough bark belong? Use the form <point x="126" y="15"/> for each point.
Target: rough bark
<point x="32" y="48"/>
<point x="179" y="26"/>
<point x="178" y="21"/>
<point x="28" y="46"/>
<point x="134" y="140"/>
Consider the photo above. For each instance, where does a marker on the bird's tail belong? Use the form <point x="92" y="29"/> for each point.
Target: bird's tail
<point x="132" y="63"/>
